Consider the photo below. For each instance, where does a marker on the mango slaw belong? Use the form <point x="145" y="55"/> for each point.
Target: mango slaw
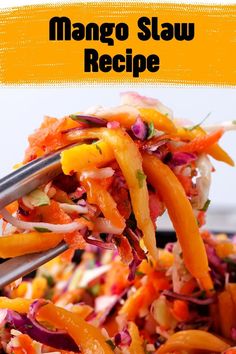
<point x="124" y="295"/>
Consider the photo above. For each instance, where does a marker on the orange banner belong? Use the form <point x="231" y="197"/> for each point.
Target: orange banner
<point x="118" y="43"/>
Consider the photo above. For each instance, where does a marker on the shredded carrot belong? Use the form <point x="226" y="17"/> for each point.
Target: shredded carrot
<point x="26" y="344"/>
<point x="201" y="143"/>
<point x="11" y="208"/>
<point x="98" y="195"/>
<point x="52" y="214"/>
<point x="75" y="240"/>
<point x="49" y="137"/>
<point x="145" y="295"/>
<point x="181" y="310"/>
<point x="189" y="287"/>
<point x="120" y="272"/>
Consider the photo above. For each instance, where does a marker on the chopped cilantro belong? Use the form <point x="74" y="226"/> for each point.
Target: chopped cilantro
<point x="73" y="116"/>
<point x="140" y="177"/>
<point x="49" y="279"/>
<point x="85" y="217"/>
<point x="230" y="261"/>
<point x="29" y="326"/>
<point x="139" y="274"/>
<point x="94" y="290"/>
<point x="49" y="294"/>
<point x="150" y="262"/>
<point x="42" y="229"/>
<point x="151" y="130"/>
<point x="77" y="117"/>
<point x="206" y="205"/>
<point x="111" y="344"/>
<point x="200" y="123"/>
<point x="145" y="343"/>
<point x="98" y="148"/>
<point x="203" y="294"/>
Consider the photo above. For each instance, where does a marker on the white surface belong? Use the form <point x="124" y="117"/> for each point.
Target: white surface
<point x="22" y="110"/>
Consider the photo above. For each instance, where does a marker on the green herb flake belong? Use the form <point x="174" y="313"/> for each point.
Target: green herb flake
<point x="139" y="274"/>
<point x="95" y="290"/>
<point x="151" y="130"/>
<point x="111" y="344"/>
<point x="85" y="217"/>
<point x="29" y="326"/>
<point x="145" y="343"/>
<point x="203" y="294"/>
<point x="200" y="123"/>
<point x="229" y="261"/>
<point x="206" y="205"/>
<point x="99" y="149"/>
<point x="141" y="177"/>
<point x="77" y="118"/>
<point x="41" y="229"/>
<point x="49" y="294"/>
<point x="38" y="198"/>
<point x="49" y="279"/>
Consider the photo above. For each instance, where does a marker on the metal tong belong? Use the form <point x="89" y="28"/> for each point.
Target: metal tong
<point x="14" y="186"/>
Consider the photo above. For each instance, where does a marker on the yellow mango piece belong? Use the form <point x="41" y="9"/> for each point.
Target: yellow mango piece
<point x="224" y="249"/>
<point x="39" y="287"/>
<point x="136" y="345"/>
<point x="193" y="340"/>
<point x="19" y="305"/>
<point x="166" y="259"/>
<point x="227" y="313"/>
<point x="86" y="156"/>
<point x="232" y="290"/>
<point x="159" y="120"/>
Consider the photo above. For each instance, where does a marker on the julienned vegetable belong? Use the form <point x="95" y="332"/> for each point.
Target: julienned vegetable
<point x="129" y="159"/>
<point x="18" y="244"/>
<point x="90" y="156"/>
<point x="182" y="217"/>
<point x="130" y="164"/>
<point x="198" y="340"/>
<point x="86" y="336"/>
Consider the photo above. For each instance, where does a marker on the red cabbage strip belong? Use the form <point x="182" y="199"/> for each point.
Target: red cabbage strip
<point x="155" y="143"/>
<point x="181" y="158"/>
<point x="140" y="129"/>
<point x="123" y="338"/>
<point x="133" y="239"/>
<point x="133" y="265"/>
<point x="194" y="300"/>
<point x="89" y="119"/>
<point x="215" y="261"/>
<point x="56" y="339"/>
<point x="100" y="243"/>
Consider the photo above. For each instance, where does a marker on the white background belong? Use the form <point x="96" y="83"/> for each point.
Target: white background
<point x="22" y="110"/>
